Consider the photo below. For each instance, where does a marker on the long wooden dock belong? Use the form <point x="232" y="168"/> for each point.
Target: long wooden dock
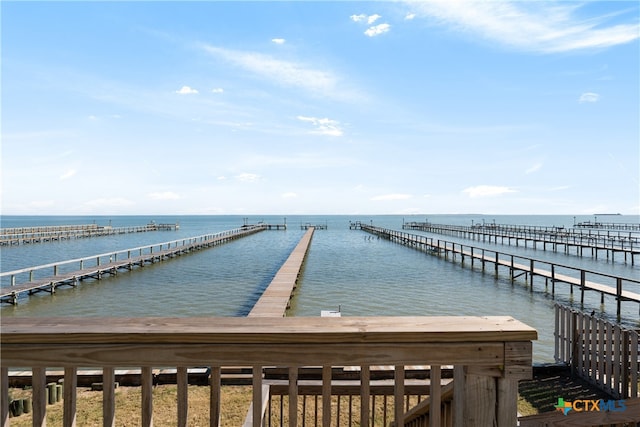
<point x="519" y="265"/>
<point x="31" y="280"/>
<point x="55" y="233"/>
<point x="592" y="242"/>
<point x="275" y="299"/>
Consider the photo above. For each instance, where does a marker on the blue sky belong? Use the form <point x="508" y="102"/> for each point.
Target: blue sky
<point x="320" y="107"/>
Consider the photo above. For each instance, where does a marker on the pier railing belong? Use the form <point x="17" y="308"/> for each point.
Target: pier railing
<point x="620" y="288"/>
<point x="603" y="353"/>
<point x="30" y="274"/>
<point x="489" y="356"/>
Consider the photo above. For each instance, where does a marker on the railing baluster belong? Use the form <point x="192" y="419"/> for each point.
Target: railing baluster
<point x="398" y="403"/>
<point x="365" y="380"/>
<point x="257" y="396"/>
<point x="183" y="396"/>
<point x="108" y="397"/>
<point x="435" y="395"/>
<point x="39" y="383"/>
<point x="293" y="397"/>
<point x="70" y="397"/>
<point x="215" y="396"/>
<point x="4" y="396"/>
<point x="147" y="396"/>
<point x="326" y="396"/>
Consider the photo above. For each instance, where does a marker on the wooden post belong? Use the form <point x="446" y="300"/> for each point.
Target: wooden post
<point x="146" y="381"/>
<point x="398" y="396"/>
<point x="108" y="397"/>
<point x="39" y="383"/>
<point x="257" y="396"/>
<point x="215" y="396"/>
<point x="183" y="396"/>
<point x="435" y="396"/>
<point x="365" y="379"/>
<point x="326" y="396"/>
<point x="70" y="397"/>
<point x="293" y="397"/>
<point x="4" y="396"/>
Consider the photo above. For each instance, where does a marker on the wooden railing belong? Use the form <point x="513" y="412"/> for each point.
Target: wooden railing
<point x="488" y="354"/>
<point x="603" y="353"/>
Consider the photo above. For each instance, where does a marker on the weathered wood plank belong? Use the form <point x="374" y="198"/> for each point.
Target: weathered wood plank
<point x="119" y="355"/>
<point x="228" y="330"/>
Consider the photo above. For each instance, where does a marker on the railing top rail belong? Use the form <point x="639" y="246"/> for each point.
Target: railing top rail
<point x="119" y="251"/>
<point x="267" y="331"/>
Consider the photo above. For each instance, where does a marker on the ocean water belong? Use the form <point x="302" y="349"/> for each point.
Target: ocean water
<point x="346" y="269"/>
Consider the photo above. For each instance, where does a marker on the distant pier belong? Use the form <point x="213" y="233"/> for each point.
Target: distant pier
<point x="31" y="280"/>
<point x="55" y="233"/>
<point x="590" y="241"/>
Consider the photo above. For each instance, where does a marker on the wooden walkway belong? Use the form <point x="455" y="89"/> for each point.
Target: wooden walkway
<point x="42" y="234"/>
<point x="553" y="238"/>
<point x="275" y="299"/>
<point x="97" y="266"/>
<point x="519" y="265"/>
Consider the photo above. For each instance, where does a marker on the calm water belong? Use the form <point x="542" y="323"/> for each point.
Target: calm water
<point x="364" y="276"/>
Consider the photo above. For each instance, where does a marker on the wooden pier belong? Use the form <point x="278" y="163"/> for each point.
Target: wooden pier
<point x="315" y="226"/>
<point x="608" y="225"/>
<point x="520" y="266"/>
<point x="275" y="299"/>
<point x="546" y="238"/>
<point x="42" y="234"/>
<point x="31" y="280"/>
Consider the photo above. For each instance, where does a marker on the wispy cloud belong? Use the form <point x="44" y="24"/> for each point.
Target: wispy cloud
<point x="534" y="168"/>
<point x="376" y="30"/>
<point x="278" y="41"/>
<point x="536" y="26"/>
<point x="394" y="196"/>
<point x="68" y="174"/>
<point x="248" y="177"/>
<point x="186" y="90"/>
<point x="285" y="73"/>
<point x="409" y="16"/>
<point x="589" y="97"/>
<point x="217" y="90"/>
<point x="164" y="195"/>
<point x="487" y="190"/>
<point x="324" y="126"/>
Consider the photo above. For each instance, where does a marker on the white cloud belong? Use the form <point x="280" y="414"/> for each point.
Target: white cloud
<point x="358" y="18"/>
<point x="395" y="196"/>
<point x="534" y="168"/>
<point x="186" y="90"/>
<point x="278" y="41"/>
<point x="410" y="16"/>
<point x="217" y="90"/>
<point x="222" y="178"/>
<point x="165" y="195"/>
<point x="289" y="195"/>
<point x="248" y="177"/>
<point x="373" y="18"/>
<point x="286" y="73"/>
<point x="68" y="174"/>
<point x="537" y="26"/>
<point x="487" y="190"/>
<point x="589" y="97"/>
<point x="323" y="126"/>
<point x="376" y="30"/>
